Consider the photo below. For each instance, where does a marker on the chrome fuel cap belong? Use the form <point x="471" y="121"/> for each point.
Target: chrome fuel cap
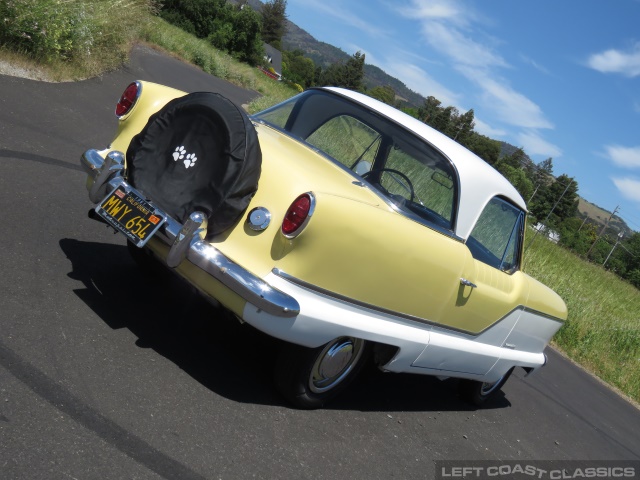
<point x="259" y="219"/>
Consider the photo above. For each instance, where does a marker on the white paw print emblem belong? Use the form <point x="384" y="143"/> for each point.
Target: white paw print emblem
<point x="190" y="160"/>
<point x="178" y="154"/>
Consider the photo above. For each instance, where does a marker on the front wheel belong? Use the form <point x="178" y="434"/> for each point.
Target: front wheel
<point x="479" y="392"/>
<point x="309" y="377"/>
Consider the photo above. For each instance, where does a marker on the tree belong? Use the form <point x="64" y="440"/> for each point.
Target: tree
<point x="354" y="72"/>
<point x="436" y="116"/>
<point x="462" y="126"/>
<point x="542" y="177"/>
<point x="200" y="17"/>
<point x="429" y="110"/>
<point x="561" y="193"/>
<point x="330" y="76"/>
<point x="348" y="75"/>
<point x="515" y="159"/>
<point x="632" y="255"/>
<point x="577" y="235"/>
<point x="298" y="69"/>
<point x="518" y="178"/>
<point x="274" y="19"/>
<point x="448" y="120"/>
<point x="567" y="206"/>
<point x="542" y="173"/>
<point x="246" y="43"/>
<point x="228" y="28"/>
<point x="412" y="111"/>
<point x="634" y="277"/>
<point x="384" y="93"/>
<point x="485" y="147"/>
<point x="442" y="121"/>
<point x="546" y="166"/>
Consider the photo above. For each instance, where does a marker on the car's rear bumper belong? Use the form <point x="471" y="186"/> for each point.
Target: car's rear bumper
<point x="106" y="174"/>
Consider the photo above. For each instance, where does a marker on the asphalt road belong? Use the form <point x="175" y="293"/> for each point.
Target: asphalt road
<point x="106" y="373"/>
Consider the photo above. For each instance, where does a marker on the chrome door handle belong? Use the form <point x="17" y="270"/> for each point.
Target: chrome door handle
<point x="467" y="283"/>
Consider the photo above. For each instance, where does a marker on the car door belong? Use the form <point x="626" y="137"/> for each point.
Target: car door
<point x="485" y="306"/>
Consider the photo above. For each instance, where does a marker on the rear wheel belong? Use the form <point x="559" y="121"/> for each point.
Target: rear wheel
<point x="309" y="377"/>
<point x="479" y="392"/>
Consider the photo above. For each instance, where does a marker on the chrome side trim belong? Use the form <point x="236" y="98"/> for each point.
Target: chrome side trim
<point x="337" y="296"/>
<point x="542" y="314"/>
<point x="202" y="254"/>
<point x="374" y="308"/>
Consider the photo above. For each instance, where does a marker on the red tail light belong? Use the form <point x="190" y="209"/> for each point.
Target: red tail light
<point x="298" y="215"/>
<point x="128" y="99"/>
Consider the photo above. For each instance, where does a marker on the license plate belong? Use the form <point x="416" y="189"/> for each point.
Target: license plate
<point x="130" y="214"/>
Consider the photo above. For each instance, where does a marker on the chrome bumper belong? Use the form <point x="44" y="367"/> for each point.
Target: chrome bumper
<point x="187" y="242"/>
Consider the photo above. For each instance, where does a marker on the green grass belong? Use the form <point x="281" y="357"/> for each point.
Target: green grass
<point x="603" y="329"/>
<point x="73" y="38"/>
<point x="200" y="52"/>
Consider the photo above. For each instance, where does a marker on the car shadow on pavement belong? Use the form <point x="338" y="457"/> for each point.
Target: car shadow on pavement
<point x="229" y="358"/>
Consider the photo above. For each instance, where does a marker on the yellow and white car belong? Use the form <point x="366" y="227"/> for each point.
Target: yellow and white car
<point x="333" y="222"/>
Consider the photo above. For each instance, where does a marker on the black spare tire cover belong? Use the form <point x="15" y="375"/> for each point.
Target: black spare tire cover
<point x="199" y="153"/>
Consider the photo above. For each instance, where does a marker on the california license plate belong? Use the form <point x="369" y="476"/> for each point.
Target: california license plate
<point x="131" y="215"/>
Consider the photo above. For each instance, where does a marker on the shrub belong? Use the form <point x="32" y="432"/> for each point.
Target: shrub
<point x="72" y="30"/>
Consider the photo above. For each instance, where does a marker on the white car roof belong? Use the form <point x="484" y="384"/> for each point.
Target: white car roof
<point x="479" y="181"/>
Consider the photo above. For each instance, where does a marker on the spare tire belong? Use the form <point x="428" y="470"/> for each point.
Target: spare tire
<point x="198" y="153"/>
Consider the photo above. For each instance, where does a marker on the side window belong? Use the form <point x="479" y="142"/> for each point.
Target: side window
<point x="348" y="140"/>
<point x="496" y="238"/>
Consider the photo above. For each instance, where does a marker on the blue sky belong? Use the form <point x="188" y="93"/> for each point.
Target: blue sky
<point x="559" y="78"/>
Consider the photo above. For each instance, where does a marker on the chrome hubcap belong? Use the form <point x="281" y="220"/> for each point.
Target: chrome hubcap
<point x="334" y="363"/>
